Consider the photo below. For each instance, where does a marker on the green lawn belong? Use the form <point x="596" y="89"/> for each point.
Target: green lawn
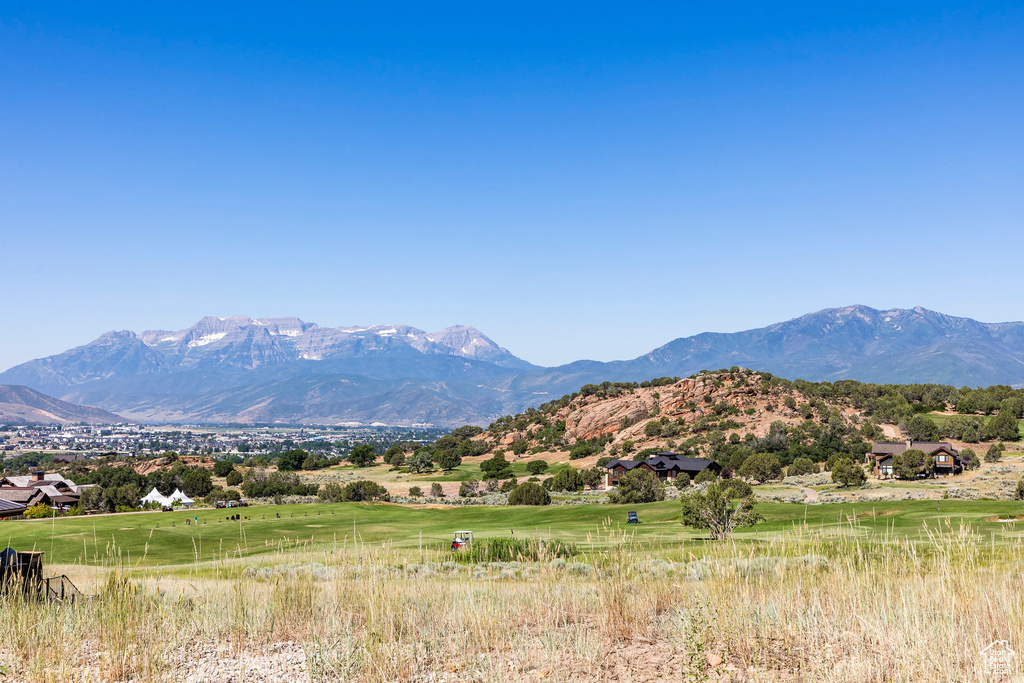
<point x="150" y="538"/>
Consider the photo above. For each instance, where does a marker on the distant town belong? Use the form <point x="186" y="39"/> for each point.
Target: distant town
<point x="86" y="442"/>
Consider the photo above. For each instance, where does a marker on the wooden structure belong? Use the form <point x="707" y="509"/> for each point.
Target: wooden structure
<point x="23" y="571"/>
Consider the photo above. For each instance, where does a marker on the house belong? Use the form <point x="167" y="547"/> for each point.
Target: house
<point x="946" y="459"/>
<point x="54" y="490"/>
<point x="667" y="466"/>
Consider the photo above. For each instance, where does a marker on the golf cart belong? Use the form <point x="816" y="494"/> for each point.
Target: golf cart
<point x="631" y="518"/>
<point x="462" y="538"/>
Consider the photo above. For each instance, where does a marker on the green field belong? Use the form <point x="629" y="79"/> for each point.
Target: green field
<point x="155" y="538"/>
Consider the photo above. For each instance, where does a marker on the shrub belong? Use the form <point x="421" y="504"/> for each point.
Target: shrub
<point x="593" y="478"/>
<point x="715" y="511"/>
<point x="448" y="459"/>
<point x="415" y="492"/>
<point x="391" y="452"/>
<point x="362" y="455"/>
<point x="508" y="485"/>
<point x="802" y="466"/>
<point x="911" y="463"/>
<point x="222" y="468"/>
<point x="234" y="478"/>
<point x="39" y="511"/>
<point x="705" y="476"/>
<point x="994" y="452"/>
<point x="436" y="490"/>
<point x="196" y="482"/>
<point x="762" y="467"/>
<point x="604" y="460"/>
<point x="736" y="488"/>
<point x="920" y="428"/>
<point x="520" y="446"/>
<point x="1003" y="426"/>
<point x="1019" y="493"/>
<point x="638" y="486"/>
<point x="468" y="488"/>
<point x="330" y="492"/>
<point x="421" y="461"/>
<point x="848" y="473"/>
<point x="291" y="460"/>
<point x="364" y="490"/>
<point x="970" y="459"/>
<point x="536" y="467"/>
<point x="529" y="494"/>
<point x="682" y="481"/>
<point x="567" y="479"/>
<point x="497" y="467"/>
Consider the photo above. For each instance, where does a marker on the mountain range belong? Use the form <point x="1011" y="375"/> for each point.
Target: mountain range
<point x="240" y="369"/>
<point x="20" y="405"/>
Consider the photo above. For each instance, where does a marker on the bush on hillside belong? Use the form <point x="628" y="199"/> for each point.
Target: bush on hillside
<point x="638" y="486"/>
<point x="234" y="478"/>
<point x="705" y="476"/>
<point x="362" y="455"/>
<point x="969" y="459"/>
<point x="364" y="490"/>
<point x="762" y="467"/>
<point x="567" y="479"/>
<point x="536" y="467"/>
<point x="221" y="468"/>
<point x="848" y="473"/>
<point x="802" y="466"/>
<point x="529" y="494"/>
<point x="736" y="488"/>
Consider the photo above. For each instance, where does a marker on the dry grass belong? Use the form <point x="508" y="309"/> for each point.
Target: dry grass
<point x="804" y="609"/>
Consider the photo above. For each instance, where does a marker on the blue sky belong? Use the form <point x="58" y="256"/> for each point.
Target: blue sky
<point x="582" y="181"/>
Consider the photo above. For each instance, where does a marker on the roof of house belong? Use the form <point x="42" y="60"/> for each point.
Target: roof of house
<point x="664" y="463"/>
<point x="930" y="447"/>
<point x="28" y="480"/>
<point x="888" y="448"/>
<point x="9" y="506"/>
<point x="20" y="494"/>
<point x="893" y="448"/>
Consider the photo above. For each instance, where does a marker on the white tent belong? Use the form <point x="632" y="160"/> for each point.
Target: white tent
<point x="181" y="498"/>
<point x="155" y="496"/>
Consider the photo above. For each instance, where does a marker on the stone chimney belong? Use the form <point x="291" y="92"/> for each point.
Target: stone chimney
<point x="38" y="475"/>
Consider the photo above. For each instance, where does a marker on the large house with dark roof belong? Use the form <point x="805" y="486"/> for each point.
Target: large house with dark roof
<point x="667" y="466"/>
<point x="52" y="489"/>
<point x="946" y="458"/>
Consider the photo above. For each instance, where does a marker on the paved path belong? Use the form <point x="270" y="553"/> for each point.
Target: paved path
<point x="810" y="495"/>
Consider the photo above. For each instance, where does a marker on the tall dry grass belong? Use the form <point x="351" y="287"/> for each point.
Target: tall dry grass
<point x="807" y="607"/>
